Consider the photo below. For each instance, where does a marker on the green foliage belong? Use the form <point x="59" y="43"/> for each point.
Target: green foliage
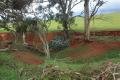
<point x="58" y="43"/>
<point x="65" y="14"/>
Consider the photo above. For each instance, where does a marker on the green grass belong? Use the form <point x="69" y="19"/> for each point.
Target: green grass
<point x="3" y="30"/>
<point x="109" y="21"/>
<point x="7" y="72"/>
<point x="12" y="69"/>
<point x="93" y="63"/>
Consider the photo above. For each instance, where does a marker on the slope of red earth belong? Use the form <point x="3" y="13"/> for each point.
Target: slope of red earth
<point x="101" y="33"/>
<point x="27" y="57"/>
<point x="34" y="40"/>
<point x="6" y="36"/>
<point x="94" y="49"/>
<point x="5" y="39"/>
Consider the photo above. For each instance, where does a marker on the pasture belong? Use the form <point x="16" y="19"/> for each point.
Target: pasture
<point x="110" y="21"/>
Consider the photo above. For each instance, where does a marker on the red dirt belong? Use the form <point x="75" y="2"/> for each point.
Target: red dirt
<point x="6" y="37"/>
<point x="33" y="39"/>
<point x="94" y="49"/>
<point x="27" y="57"/>
<point x="102" y="33"/>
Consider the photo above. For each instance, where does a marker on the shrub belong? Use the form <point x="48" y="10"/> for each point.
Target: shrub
<point x="58" y="43"/>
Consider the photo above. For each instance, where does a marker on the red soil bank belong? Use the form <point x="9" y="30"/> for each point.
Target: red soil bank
<point x="33" y="39"/>
<point x="6" y="37"/>
<point x="102" y="33"/>
<point x="94" y="49"/>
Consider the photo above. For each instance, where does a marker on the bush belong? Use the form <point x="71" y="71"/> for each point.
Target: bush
<point x="58" y="43"/>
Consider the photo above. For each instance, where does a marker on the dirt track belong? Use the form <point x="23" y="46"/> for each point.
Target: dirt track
<point x="27" y="57"/>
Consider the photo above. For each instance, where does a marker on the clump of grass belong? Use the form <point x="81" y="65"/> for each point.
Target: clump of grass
<point x="11" y="69"/>
<point x="6" y="67"/>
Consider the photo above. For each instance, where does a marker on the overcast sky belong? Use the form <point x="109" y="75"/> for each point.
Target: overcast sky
<point x="109" y="6"/>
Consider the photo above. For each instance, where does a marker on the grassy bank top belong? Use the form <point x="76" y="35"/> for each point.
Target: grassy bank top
<point x="105" y="22"/>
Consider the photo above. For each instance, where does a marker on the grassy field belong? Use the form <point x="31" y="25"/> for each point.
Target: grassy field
<point x="109" y="21"/>
<point x="11" y="69"/>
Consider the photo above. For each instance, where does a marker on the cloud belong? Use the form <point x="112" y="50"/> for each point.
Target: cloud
<point x="109" y="6"/>
<point x="79" y="7"/>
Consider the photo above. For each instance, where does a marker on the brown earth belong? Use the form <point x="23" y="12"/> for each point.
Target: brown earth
<point x="6" y="36"/>
<point x="33" y="39"/>
<point x="5" y="39"/>
<point x="27" y="57"/>
<point x="101" y="33"/>
<point x="94" y="49"/>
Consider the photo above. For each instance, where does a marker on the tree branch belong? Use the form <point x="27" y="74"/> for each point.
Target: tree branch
<point x="76" y="4"/>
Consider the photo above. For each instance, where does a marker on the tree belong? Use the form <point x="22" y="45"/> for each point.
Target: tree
<point x="42" y="16"/>
<point x="65" y="14"/>
<point x="42" y="32"/>
<point x="89" y="15"/>
<point x="42" y="27"/>
<point x="21" y="28"/>
<point x="86" y="19"/>
<point x="12" y="10"/>
<point x="39" y="27"/>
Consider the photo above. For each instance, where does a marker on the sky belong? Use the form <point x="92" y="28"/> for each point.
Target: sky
<point x="109" y="6"/>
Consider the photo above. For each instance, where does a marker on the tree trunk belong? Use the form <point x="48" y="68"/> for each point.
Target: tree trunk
<point x="46" y="50"/>
<point x="86" y="21"/>
<point x="19" y="38"/>
<point x="23" y="37"/>
<point x="66" y="31"/>
<point x="45" y="43"/>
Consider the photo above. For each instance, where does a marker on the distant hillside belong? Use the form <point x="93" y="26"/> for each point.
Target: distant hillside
<point x="109" y="21"/>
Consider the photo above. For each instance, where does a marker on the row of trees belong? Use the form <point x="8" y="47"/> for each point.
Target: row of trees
<point x="14" y="12"/>
<point x="65" y="14"/>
